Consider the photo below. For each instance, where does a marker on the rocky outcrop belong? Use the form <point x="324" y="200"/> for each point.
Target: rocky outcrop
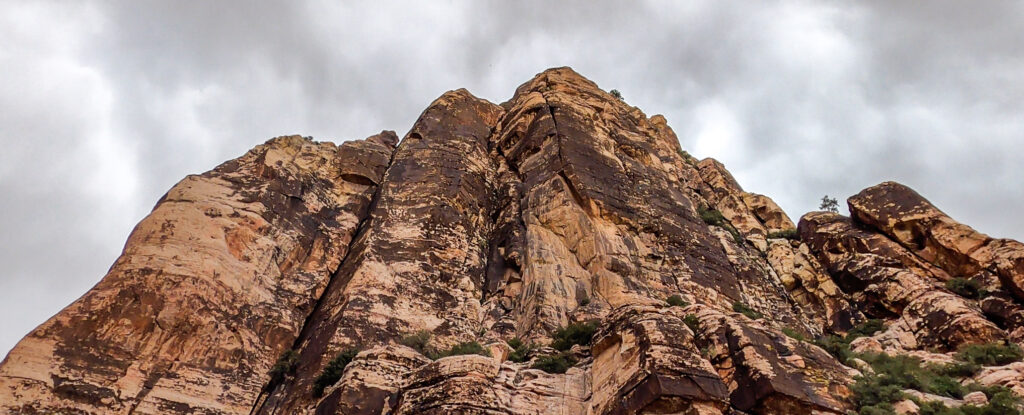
<point x="907" y="218"/>
<point x="886" y="281"/>
<point x="489" y="223"/>
<point x="212" y="286"/>
<point x="417" y="263"/>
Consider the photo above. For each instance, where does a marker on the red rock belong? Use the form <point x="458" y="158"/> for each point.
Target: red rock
<point x="492" y="222"/>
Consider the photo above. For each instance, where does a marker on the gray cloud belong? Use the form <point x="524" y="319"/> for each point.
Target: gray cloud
<point x="106" y="105"/>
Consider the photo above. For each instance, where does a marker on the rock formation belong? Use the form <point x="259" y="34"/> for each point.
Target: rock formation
<point x="248" y="285"/>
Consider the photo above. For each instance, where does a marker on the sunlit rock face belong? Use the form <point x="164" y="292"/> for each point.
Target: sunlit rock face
<point x="491" y="222"/>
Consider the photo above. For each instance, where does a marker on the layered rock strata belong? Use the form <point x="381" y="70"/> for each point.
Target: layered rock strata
<point x="488" y="223"/>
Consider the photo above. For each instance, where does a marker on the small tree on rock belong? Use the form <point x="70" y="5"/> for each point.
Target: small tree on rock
<point x="829" y="204"/>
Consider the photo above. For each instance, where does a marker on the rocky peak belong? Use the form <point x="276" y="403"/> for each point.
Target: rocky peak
<point x="557" y="253"/>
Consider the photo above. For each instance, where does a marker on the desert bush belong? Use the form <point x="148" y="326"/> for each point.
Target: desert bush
<point x="691" y="321"/>
<point x="746" y="310"/>
<point x="558" y="363"/>
<point x="712" y="217"/>
<point x="957" y="369"/>
<point x="790" y="234"/>
<point x="417" y="340"/>
<point x="965" y="288"/>
<point x="520" y="351"/>
<point x="865" y="328"/>
<point x="839" y="346"/>
<point x="990" y="354"/>
<point x="464" y="348"/>
<point x="333" y="371"/>
<point x="575" y="333"/>
<point x="687" y="157"/>
<point x="285" y="365"/>
<point x="792" y="333"/>
<point x="676" y="301"/>
<point x="715" y="218"/>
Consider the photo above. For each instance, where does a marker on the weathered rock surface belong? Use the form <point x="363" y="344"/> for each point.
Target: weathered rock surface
<point x="886" y="281"/>
<point x="212" y="286"/>
<point x="494" y="222"/>
<point x="907" y="218"/>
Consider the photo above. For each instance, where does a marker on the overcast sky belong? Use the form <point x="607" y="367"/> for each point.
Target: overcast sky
<point x="104" y="106"/>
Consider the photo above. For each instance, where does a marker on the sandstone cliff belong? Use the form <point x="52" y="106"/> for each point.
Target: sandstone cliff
<point x="563" y="207"/>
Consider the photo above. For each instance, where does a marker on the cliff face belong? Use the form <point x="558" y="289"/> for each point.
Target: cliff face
<point x="488" y="223"/>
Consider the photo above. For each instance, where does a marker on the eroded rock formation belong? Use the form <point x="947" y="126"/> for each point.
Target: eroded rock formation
<point x="488" y="223"/>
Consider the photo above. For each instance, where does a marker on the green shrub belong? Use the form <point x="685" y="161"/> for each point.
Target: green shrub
<point x="558" y="363"/>
<point x="460" y="349"/>
<point x="712" y="217"/>
<point x="882" y="409"/>
<point x="836" y="346"/>
<point x="864" y="329"/>
<point x="333" y="371"/>
<point x="965" y="288"/>
<point x="689" y="159"/>
<point x="795" y="335"/>
<point x="520" y="351"/>
<point x="746" y="310"/>
<point x="418" y="341"/>
<point x="1000" y="402"/>
<point x="870" y="391"/>
<point x="575" y="333"/>
<point x="676" y="301"/>
<point x="615" y="93"/>
<point x="285" y="365"/>
<point x="957" y="369"/>
<point x="990" y="354"/>
<point x="874" y="393"/>
<point x="908" y="372"/>
<point x="584" y="301"/>
<point x="790" y="234"/>
<point x="691" y="321"/>
<point x="839" y="346"/>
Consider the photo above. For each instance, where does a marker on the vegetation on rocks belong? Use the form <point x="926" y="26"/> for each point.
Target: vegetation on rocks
<point x="573" y="334"/>
<point x="521" y="352"/>
<point x="285" y="365"/>
<point x="713" y="217"/>
<point x="687" y="157"/>
<point x="558" y="363"/>
<point x="792" y="333"/>
<point x="790" y="234"/>
<point x="839" y="346"/>
<point x="875" y="393"/>
<point x="464" y="348"/>
<point x="691" y="321"/>
<point x="676" y="301"/>
<point x="966" y="288"/>
<point x="990" y="354"/>
<point x="746" y="310"/>
<point x="417" y="340"/>
<point x="333" y="371"/>
<point x="421" y="342"/>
